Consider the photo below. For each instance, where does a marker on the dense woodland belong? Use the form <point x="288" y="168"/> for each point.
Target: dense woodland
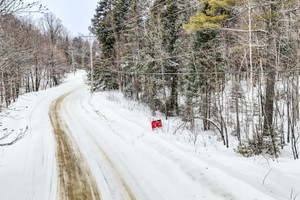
<point x="231" y="64"/>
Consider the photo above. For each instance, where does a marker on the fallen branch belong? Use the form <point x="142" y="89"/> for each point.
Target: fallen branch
<point x="179" y="127"/>
<point x="209" y="120"/>
<point x="6" y="134"/>
<point x="19" y="137"/>
<point x="266" y="176"/>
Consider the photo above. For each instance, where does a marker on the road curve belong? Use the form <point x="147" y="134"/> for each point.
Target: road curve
<point x="76" y="181"/>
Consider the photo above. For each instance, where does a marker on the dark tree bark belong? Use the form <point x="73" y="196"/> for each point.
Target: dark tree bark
<point x="270" y="77"/>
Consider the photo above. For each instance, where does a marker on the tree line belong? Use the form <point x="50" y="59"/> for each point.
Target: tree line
<point x="34" y="54"/>
<point x="233" y="64"/>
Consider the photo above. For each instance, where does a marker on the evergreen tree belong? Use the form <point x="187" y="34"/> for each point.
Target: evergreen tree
<point x="211" y="15"/>
<point x="121" y="15"/>
<point x="103" y="28"/>
<point x="134" y="50"/>
<point x="121" y="10"/>
<point x="204" y="59"/>
<point x="164" y="15"/>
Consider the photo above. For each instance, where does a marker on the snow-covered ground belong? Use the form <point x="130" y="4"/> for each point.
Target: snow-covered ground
<point x="126" y="159"/>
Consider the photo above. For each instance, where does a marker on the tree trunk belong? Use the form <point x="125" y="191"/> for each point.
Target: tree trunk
<point x="174" y="95"/>
<point x="270" y="77"/>
<point x="238" y="128"/>
<point x="269" y="101"/>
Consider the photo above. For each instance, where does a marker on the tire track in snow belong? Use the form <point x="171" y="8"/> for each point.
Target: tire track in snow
<point x="108" y="161"/>
<point x="75" y="178"/>
<point x="112" y="166"/>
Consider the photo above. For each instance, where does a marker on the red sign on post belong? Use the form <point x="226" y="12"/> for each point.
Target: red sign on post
<point x="156" y="124"/>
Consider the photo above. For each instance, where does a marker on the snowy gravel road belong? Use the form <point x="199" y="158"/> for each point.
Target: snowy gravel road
<point x="128" y="161"/>
<point x="95" y="147"/>
<point x="75" y="178"/>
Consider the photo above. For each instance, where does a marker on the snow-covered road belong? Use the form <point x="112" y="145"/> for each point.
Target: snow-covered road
<point x="82" y="147"/>
<point x="75" y="179"/>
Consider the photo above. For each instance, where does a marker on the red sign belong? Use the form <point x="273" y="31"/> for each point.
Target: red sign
<point x="156" y="124"/>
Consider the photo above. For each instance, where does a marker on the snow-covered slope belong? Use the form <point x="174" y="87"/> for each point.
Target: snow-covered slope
<point x="125" y="157"/>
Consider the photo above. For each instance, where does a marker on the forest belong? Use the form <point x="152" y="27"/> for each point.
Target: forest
<point x="232" y="64"/>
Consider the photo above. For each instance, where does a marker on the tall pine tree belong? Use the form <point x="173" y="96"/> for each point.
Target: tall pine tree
<point x="164" y="15"/>
<point x="103" y="28"/>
